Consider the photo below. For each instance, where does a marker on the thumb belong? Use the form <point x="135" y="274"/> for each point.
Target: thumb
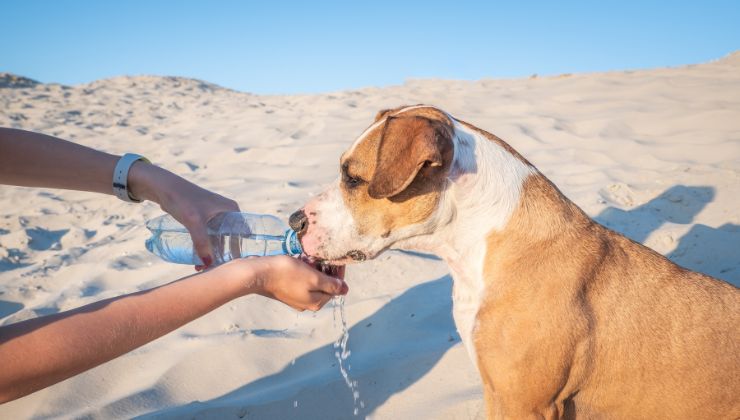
<point x="332" y="285"/>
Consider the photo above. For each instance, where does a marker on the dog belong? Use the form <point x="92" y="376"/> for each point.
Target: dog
<point x="562" y="317"/>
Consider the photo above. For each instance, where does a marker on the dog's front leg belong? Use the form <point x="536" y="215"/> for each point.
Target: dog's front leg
<point x="528" y="366"/>
<point x="489" y="396"/>
<point x="498" y="409"/>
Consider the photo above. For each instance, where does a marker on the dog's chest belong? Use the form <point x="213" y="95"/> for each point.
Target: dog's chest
<point x="467" y="293"/>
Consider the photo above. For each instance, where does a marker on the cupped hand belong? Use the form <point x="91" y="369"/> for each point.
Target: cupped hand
<point x="293" y="282"/>
<point x="190" y="204"/>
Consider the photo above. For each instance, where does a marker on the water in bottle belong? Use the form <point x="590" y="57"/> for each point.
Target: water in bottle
<point x="232" y="235"/>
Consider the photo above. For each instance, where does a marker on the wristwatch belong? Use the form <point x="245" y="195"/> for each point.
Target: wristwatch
<point x="120" y="177"/>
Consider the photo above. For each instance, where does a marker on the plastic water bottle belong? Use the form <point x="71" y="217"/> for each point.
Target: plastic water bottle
<point x="232" y="235"/>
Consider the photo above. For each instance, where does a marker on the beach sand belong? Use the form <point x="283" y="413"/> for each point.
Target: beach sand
<point x="654" y="154"/>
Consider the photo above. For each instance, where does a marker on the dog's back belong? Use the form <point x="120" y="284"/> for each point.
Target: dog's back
<point x="666" y="340"/>
<point x="577" y="313"/>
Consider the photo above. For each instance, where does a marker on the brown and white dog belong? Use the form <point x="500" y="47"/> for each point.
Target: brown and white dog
<point x="563" y="317"/>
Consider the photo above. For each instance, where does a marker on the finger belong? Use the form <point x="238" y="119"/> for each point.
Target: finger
<point x="325" y="299"/>
<point x="219" y="204"/>
<point x="319" y="299"/>
<point x="339" y="272"/>
<point x="233" y="205"/>
<point x="331" y="285"/>
<point x="201" y="244"/>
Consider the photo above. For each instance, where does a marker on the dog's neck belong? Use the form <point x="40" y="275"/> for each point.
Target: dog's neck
<point x="485" y="185"/>
<point x="484" y="188"/>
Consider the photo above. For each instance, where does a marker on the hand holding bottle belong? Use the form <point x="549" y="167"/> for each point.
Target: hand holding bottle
<point x="190" y="204"/>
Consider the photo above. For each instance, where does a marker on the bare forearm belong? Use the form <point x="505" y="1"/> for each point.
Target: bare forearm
<point x="36" y="160"/>
<point x="42" y="351"/>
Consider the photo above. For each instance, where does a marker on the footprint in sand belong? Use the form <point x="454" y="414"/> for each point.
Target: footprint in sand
<point x="307" y="130"/>
<point x="131" y="262"/>
<point x="41" y="239"/>
<point x="12" y="258"/>
<point x="618" y="193"/>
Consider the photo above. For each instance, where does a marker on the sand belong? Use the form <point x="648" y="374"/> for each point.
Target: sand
<point x="654" y="154"/>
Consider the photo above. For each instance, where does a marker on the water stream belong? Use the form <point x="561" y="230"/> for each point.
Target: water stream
<point x="342" y="353"/>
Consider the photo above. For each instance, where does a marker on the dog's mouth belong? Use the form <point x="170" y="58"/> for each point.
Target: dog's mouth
<point x="330" y="268"/>
<point x="356" y="255"/>
<point x="335" y="266"/>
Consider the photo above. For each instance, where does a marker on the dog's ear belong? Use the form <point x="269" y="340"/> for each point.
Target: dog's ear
<point x="407" y="147"/>
<point x="386" y="112"/>
<point x="382" y="114"/>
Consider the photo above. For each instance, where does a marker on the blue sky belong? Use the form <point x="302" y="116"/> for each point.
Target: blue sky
<point x="303" y="47"/>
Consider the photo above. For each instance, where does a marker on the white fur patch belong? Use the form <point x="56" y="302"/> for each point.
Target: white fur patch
<point x="337" y="230"/>
<point x="487" y="183"/>
<point x="484" y="189"/>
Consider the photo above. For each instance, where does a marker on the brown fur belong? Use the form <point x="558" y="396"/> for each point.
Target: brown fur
<point x="401" y="167"/>
<point x="407" y="144"/>
<point x="581" y="322"/>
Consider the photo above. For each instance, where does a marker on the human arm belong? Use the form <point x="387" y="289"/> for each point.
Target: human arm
<point x="39" y="352"/>
<point x="36" y="160"/>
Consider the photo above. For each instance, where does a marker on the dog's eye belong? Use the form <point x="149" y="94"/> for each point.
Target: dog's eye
<point x="351" y="181"/>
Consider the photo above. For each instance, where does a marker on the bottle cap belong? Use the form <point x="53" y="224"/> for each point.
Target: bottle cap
<point x="292" y="244"/>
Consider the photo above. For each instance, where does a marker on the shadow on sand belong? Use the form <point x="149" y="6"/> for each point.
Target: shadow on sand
<point x="402" y="337"/>
<point x="9" y="308"/>
<point x="713" y="251"/>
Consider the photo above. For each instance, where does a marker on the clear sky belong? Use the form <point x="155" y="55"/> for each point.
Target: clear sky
<point x="316" y="46"/>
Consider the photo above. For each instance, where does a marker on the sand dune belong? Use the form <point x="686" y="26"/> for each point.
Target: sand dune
<point x="654" y="154"/>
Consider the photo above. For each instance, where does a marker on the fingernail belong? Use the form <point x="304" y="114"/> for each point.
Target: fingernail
<point x="344" y="290"/>
<point x="207" y="261"/>
<point x="199" y="267"/>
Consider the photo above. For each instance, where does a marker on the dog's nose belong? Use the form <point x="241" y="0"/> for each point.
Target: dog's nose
<point x="298" y="221"/>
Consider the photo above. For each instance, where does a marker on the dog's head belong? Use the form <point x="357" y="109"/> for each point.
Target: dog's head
<point x="392" y="181"/>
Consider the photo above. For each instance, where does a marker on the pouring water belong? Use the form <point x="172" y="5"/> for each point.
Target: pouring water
<point x="342" y="353"/>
